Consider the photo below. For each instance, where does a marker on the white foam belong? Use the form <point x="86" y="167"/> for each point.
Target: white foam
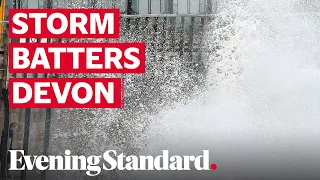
<point x="268" y="108"/>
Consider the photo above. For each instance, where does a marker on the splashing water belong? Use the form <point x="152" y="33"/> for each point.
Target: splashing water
<point x="261" y="112"/>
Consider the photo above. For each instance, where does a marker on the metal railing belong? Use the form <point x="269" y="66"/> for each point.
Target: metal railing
<point x="143" y="6"/>
<point x="169" y="38"/>
<point x="165" y="15"/>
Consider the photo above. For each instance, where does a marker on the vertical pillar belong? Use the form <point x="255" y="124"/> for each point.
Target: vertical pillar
<point x="209" y="7"/>
<point x="14" y="4"/>
<point x="27" y="115"/>
<point x="26" y="138"/>
<point x="188" y="7"/>
<point x="19" y="4"/>
<point x="113" y="4"/>
<point x="129" y="7"/>
<point x="47" y="127"/>
<point x="5" y="134"/>
<point x="49" y="4"/>
<point x="5" y="94"/>
<point x="149" y="7"/>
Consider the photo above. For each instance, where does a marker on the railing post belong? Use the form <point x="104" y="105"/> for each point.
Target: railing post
<point x="14" y="4"/>
<point x="47" y="127"/>
<point x="49" y="4"/>
<point x="5" y="98"/>
<point x="19" y="4"/>
<point x="168" y="7"/>
<point x="27" y="122"/>
<point x="46" y="135"/>
<point x="209" y="7"/>
<point x="26" y="138"/>
<point x="129" y="7"/>
<point x="149" y="7"/>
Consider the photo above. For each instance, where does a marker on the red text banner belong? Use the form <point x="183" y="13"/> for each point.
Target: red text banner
<point x="64" y="23"/>
<point x="77" y="58"/>
<point x="66" y="93"/>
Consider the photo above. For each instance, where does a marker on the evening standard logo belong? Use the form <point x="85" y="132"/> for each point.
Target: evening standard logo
<point x="110" y="160"/>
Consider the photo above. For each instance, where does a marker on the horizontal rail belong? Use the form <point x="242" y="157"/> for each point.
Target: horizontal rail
<point x="214" y="15"/>
<point x="203" y="15"/>
<point x="166" y="15"/>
